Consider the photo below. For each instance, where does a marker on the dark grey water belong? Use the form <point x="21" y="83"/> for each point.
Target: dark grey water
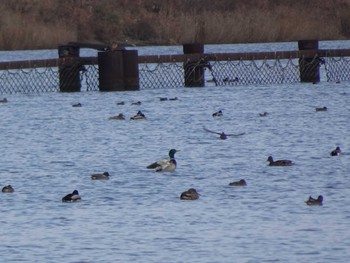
<point x="50" y="148"/>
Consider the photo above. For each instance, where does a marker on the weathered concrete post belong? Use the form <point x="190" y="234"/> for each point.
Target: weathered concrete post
<point x="118" y="70"/>
<point x="194" y="71"/>
<point x="309" y="66"/>
<point x="69" y="69"/>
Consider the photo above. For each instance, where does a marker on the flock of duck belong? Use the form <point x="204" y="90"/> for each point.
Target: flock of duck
<point x="169" y="165"/>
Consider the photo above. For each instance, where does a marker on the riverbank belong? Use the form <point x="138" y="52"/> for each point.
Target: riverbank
<point x="46" y="24"/>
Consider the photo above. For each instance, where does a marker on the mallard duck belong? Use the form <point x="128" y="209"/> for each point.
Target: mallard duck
<point x="136" y="103"/>
<point x="264" y="114"/>
<point x="103" y="176"/>
<point x="336" y="151"/>
<point x="279" y="162"/>
<point x="163" y="98"/>
<point x="8" y="189"/>
<point x="313" y="201"/>
<point x="139" y="116"/>
<point x="321" y="109"/>
<point x="175" y="98"/>
<point x="120" y="103"/>
<point x="4" y="100"/>
<point x="217" y="114"/>
<point x="77" y="105"/>
<point x="120" y="116"/>
<point x="73" y="197"/>
<point x="190" y="194"/>
<point x="167" y="165"/>
<point x="223" y="136"/>
<point x="241" y="182"/>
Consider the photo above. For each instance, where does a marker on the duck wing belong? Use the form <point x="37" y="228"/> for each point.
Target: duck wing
<point x="219" y="133"/>
<point x="168" y="166"/>
<point x="157" y="164"/>
<point x="237" y="134"/>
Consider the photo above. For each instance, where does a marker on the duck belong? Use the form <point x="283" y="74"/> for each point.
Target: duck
<point x="321" y="109"/>
<point x="139" y="116"/>
<point x="77" y="105"/>
<point x="136" y="103"/>
<point x="241" y="182"/>
<point x="313" y="201"/>
<point x="163" y="98"/>
<point x="8" y="189"/>
<point x="73" y="197"/>
<point x="217" y="114"/>
<point x="336" y="151"/>
<point x="103" y="176"/>
<point x="167" y="165"/>
<point x="175" y="98"/>
<point x="120" y="103"/>
<point x="264" y="114"/>
<point x="279" y="162"/>
<point x="4" y="100"/>
<point x="190" y="194"/>
<point x="222" y="135"/>
<point x="120" y="116"/>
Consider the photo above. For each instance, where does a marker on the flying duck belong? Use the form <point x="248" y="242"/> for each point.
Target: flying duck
<point x="73" y="197"/>
<point x="279" y="162"/>
<point x="103" y="176"/>
<point x="167" y="165"/>
<point x="223" y="136"/>
<point x="336" y="151"/>
<point x="8" y="189"/>
<point x="190" y="194"/>
<point x="313" y="201"/>
<point x="120" y="116"/>
<point x="241" y="182"/>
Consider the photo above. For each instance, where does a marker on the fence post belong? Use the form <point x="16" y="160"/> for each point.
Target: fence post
<point x="69" y="69"/>
<point x="118" y="70"/>
<point x="194" y="71"/>
<point x="309" y="67"/>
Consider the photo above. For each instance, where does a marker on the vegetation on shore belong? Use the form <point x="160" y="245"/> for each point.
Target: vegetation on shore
<point x="35" y="24"/>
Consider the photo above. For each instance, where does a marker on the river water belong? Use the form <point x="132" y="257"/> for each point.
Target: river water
<point x="50" y="148"/>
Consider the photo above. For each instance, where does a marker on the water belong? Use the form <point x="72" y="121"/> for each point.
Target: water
<point x="50" y="148"/>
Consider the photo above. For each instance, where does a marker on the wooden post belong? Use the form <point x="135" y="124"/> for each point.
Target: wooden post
<point x="118" y="70"/>
<point x="309" y="67"/>
<point x="111" y="71"/>
<point x="194" y="71"/>
<point x="69" y="70"/>
<point x="131" y="70"/>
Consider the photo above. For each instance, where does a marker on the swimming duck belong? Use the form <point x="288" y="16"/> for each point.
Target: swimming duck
<point x="264" y="114"/>
<point x="163" y="99"/>
<point x="167" y="165"/>
<point x="223" y="136"/>
<point x="8" y="189"/>
<point x="313" y="201"/>
<point x="120" y="103"/>
<point x="279" y="162"/>
<point x="217" y="114"/>
<point x="175" y="98"/>
<point x="139" y="116"/>
<point x="190" y="194"/>
<point x="120" y="116"/>
<point x="336" y="151"/>
<point x="77" y="105"/>
<point x="73" y="197"/>
<point x="4" y="100"/>
<point x="241" y="182"/>
<point x="103" y="176"/>
<point x="321" y="109"/>
<point x="136" y="103"/>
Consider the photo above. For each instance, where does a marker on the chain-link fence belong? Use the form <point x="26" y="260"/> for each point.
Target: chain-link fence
<point x="171" y="75"/>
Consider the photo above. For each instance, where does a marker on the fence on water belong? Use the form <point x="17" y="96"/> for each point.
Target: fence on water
<point x="121" y="69"/>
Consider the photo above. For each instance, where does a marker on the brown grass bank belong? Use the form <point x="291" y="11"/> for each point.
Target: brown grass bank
<point x="35" y="24"/>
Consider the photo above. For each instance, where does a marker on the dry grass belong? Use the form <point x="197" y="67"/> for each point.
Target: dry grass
<point x="33" y="24"/>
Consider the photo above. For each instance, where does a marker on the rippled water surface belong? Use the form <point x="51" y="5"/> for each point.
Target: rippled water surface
<point x="50" y="148"/>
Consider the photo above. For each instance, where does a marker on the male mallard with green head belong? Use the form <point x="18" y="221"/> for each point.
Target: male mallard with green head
<point x="167" y="165"/>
